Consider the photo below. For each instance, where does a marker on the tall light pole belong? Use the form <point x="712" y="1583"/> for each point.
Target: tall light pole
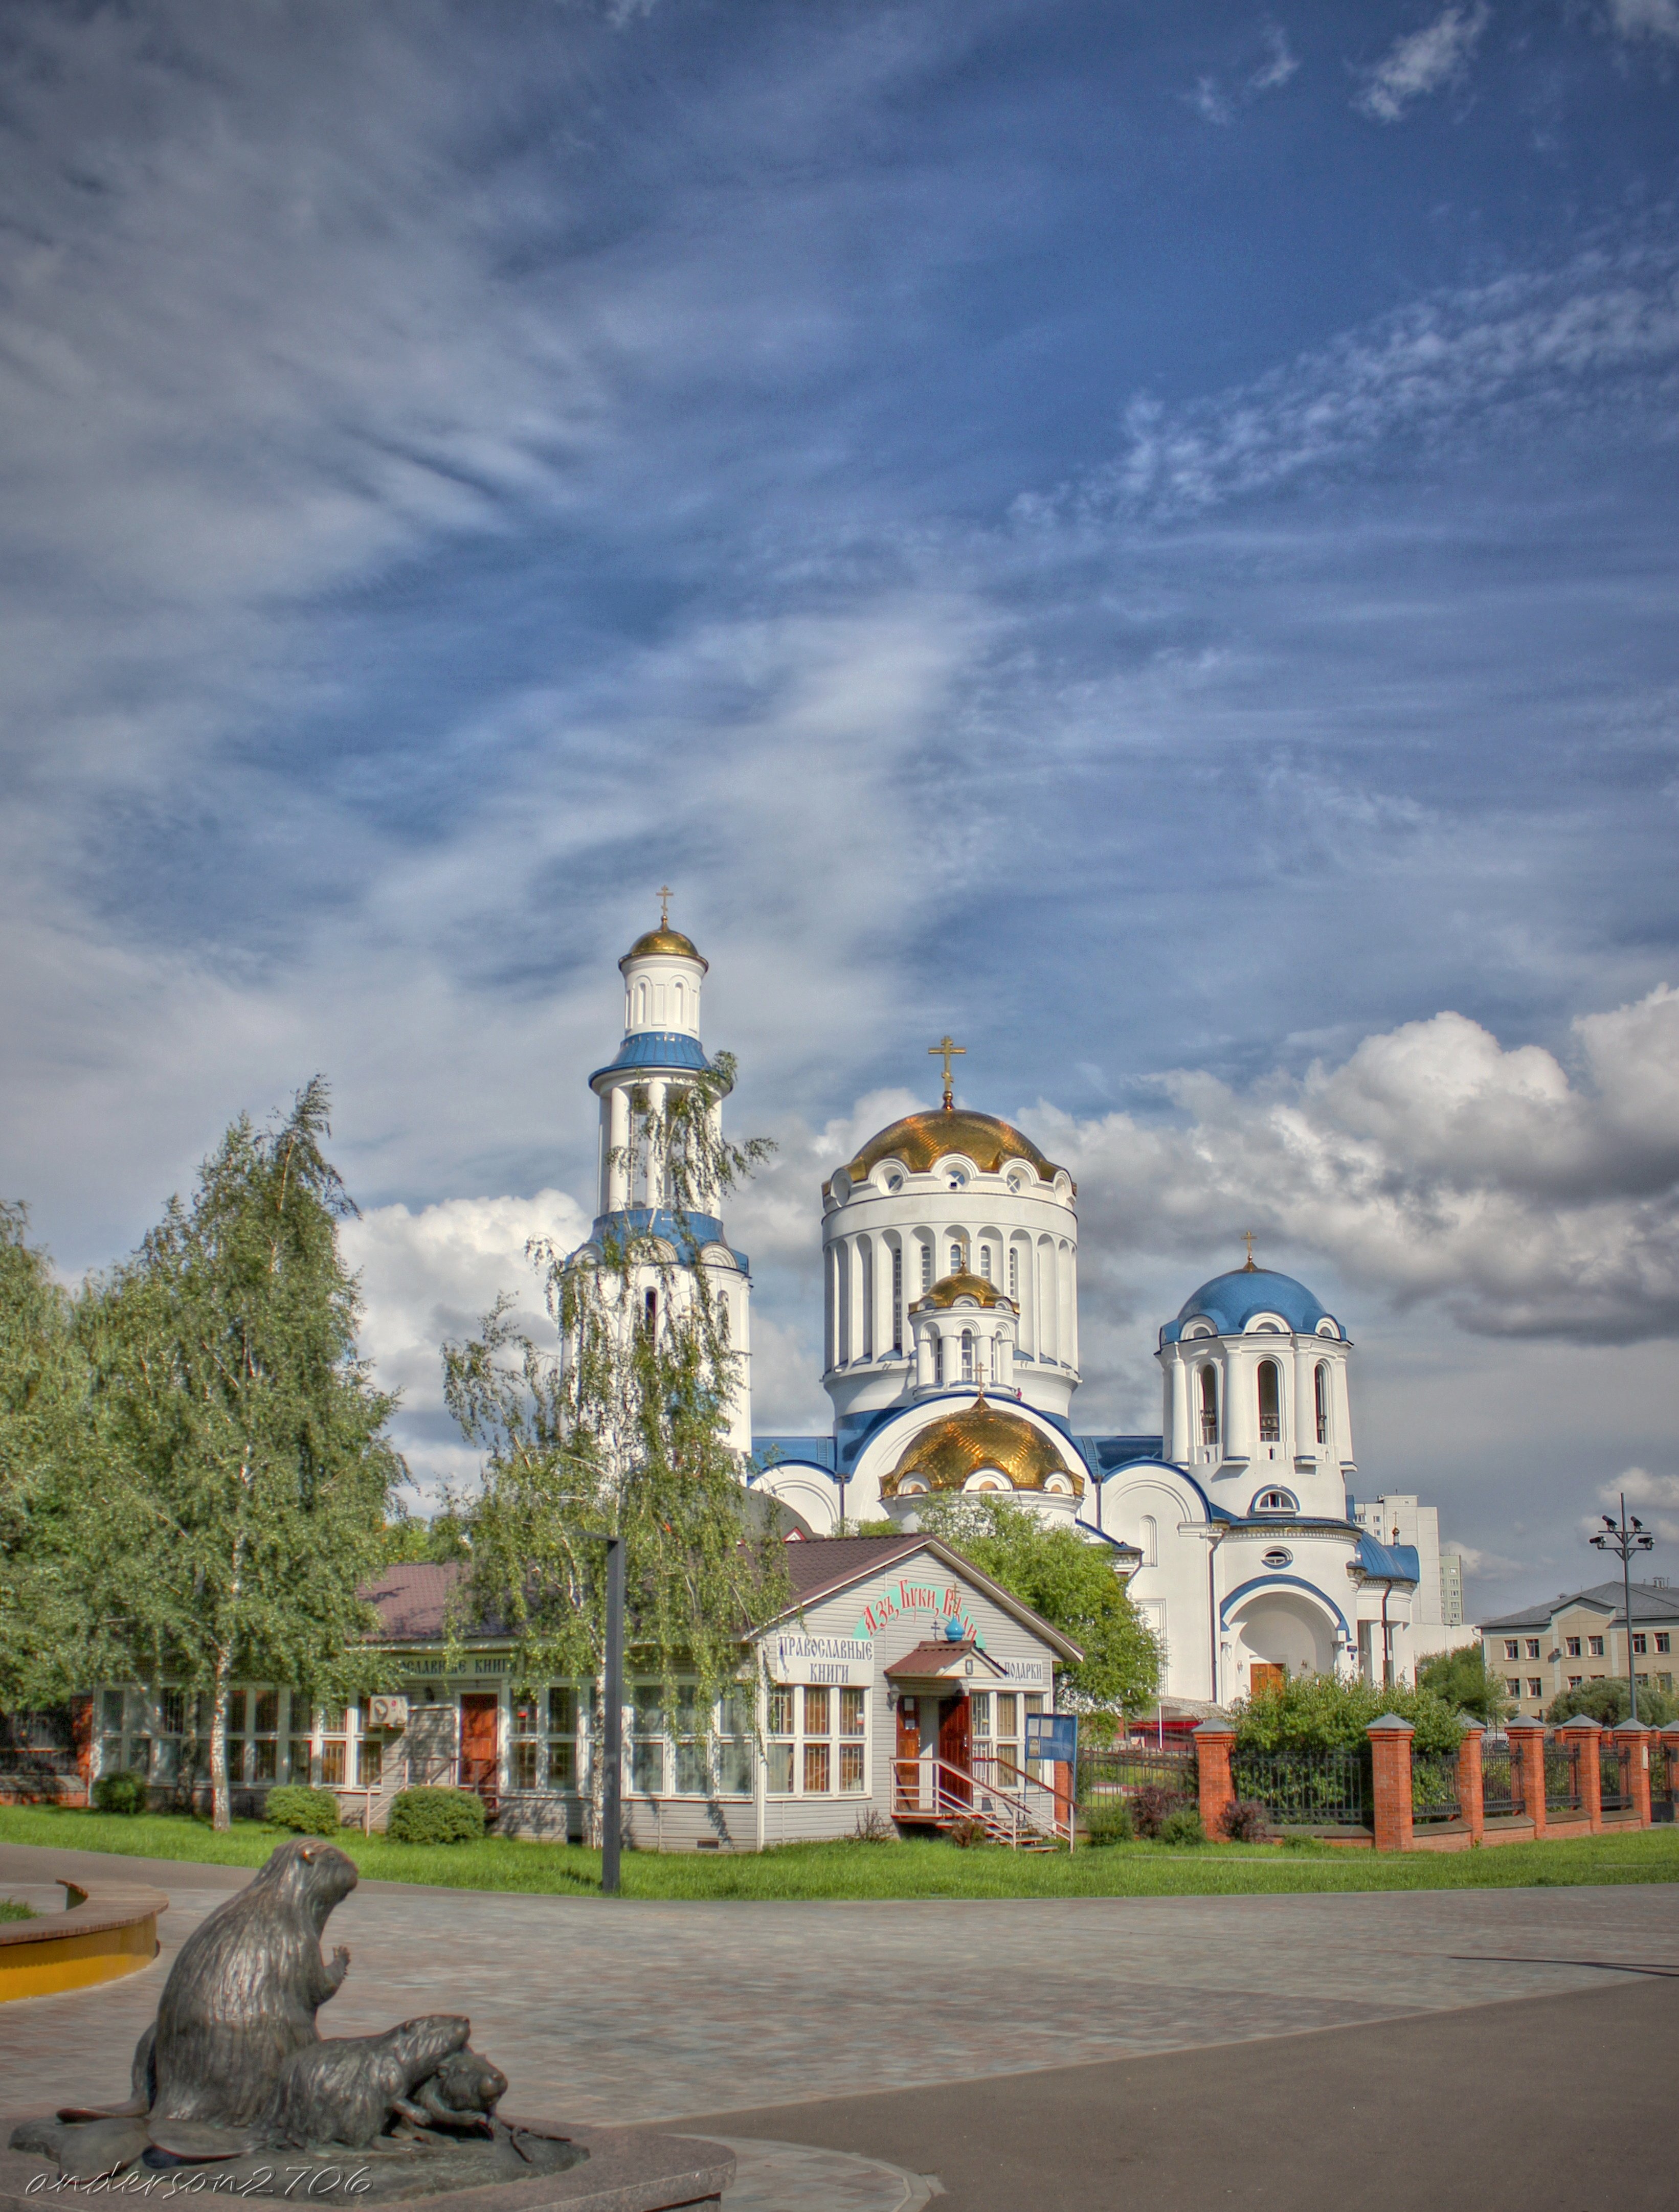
<point x="1625" y="1537"/>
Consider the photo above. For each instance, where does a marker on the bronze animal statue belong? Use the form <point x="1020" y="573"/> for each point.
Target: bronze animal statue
<point x="348" y="2090"/>
<point x="462" y="2092"/>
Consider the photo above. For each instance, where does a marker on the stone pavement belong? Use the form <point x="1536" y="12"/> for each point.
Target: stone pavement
<point x="634" y="2011"/>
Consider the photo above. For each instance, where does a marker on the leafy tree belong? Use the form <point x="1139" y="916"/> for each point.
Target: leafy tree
<point x="247" y="1472"/>
<point x="1066" y="1579"/>
<point x="410" y="1538"/>
<point x="46" y="1635"/>
<point x="1462" y="1678"/>
<point x="1607" y="1700"/>
<point x="625" y="1431"/>
<point x="1322" y="1712"/>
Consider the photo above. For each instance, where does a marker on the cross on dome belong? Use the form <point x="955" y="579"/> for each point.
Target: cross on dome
<point x="948" y="1049"/>
<point x="664" y="906"/>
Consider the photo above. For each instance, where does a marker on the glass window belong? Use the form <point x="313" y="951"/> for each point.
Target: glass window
<point x="265" y="1718"/>
<point x="174" y="1712"/>
<point x="817" y="1769"/>
<point x="1513" y="1650"/>
<point x="1271" y="1400"/>
<point x="1594" y="1645"/>
<point x="779" y="1714"/>
<point x="1533" y="1646"/>
<point x="1008" y="1706"/>
<point x="851" y="1766"/>
<point x="979" y="1713"/>
<point x="110" y="1754"/>
<point x="735" y="1763"/>
<point x="527" y="1714"/>
<point x="1209" y="1405"/>
<point x="1639" y="1644"/>
<point x="139" y="1754"/>
<point x="1664" y="1682"/>
<point x="735" y="1710"/>
<point x="854" y="1709"/>
<point x="1320" y="1384"/>
<point x="986" y="1263"/>
<point x="332" y="1720"/>
<point x="926" y="1267"/>
<point x="562" y="1763"/>
<point x="957" y="1260"/>
<point x="647" y="1767"/>
<point x="236" y="1712"/>
<point x="167" y="1763"/>
<point x="967" y="1355"/>
<point x="562" y="1710"/>
<point x="779" y="1766"/>
<point x="1514" y="1688"/>
<point x="693" y="1777"/>
<point x="333" y="1764"/>
<point x="1570" y="1646"/>
<point x="1574" y="1681"/>
<point x="111" y="1705"/>
<point x="300" y="1758"/>
<point x="1535" y="1688"/>
<point x="1664" y="1640"/>
<point x="524" y="1766"/>
<point x="265" y="1759"/>
<point x="817" y="1708"/>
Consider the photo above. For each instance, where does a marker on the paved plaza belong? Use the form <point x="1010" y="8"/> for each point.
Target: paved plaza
<point x="634" y="2013"/>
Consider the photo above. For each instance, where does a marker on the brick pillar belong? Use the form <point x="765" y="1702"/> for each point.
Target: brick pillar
<point x="1527" y="1747"/>
<point x="1670" y="1739"/>
<point x="1215" y="1741"/>
<point x="1634" y="1737"/>
<point x="1470" y="1795"/>
<point x="1391" y="1765"/>
<point x="1587" y="1734"/>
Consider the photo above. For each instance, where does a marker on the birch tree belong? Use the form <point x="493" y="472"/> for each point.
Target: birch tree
<point x="248" y="1474"/>
<point x="622" y="1430"/>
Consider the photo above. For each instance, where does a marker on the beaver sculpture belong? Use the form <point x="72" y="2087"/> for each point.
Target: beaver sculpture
<point x="348" y="2090"/>
<point x="463" y="2093"/>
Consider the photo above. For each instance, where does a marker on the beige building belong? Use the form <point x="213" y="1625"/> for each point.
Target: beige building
<point x="1582" y="1638"/>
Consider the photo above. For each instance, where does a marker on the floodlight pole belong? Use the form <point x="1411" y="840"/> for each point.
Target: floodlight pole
<point x="1625" y="1537"/>
<point x="611" y="1749"/>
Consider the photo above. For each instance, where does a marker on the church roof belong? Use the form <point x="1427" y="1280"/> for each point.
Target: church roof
<point x="949" y="1290"/>
<point x="947" y="1452"/>
<point x="663" y="939"/>
<point x="921" y="1140"/>
<point x="1231" y="1301"/>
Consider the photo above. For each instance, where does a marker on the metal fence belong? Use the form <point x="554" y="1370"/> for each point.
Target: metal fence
<point x="1307" y="1788"/>
<point x="1662" y="1774"/>
<point x="1562" y="1777"/>
<point x="1615" y="1775"/>
<point x="1434" y="1786"/>
<point x="1121" y="1769"/>
<point x="1500" y="1778"/>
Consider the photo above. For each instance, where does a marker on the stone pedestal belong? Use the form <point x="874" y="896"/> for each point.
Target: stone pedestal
<point x="1390" y="1781"/>
<point x="1215" y="1741"/>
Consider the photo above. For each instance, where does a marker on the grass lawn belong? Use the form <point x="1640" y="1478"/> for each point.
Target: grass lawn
<point x="879" y="1870"/>
<point x="11" y="1910"/>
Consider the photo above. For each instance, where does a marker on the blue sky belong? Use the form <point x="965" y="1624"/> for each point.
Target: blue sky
<point x="1143" y="537"/>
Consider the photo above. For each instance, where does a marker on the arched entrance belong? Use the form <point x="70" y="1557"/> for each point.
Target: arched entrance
<point x="1276" y="1634"/>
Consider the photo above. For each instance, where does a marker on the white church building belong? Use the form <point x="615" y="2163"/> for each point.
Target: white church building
<point x="951" y="1358"/>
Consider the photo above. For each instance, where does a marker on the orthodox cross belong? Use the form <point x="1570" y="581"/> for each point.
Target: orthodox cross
<point x="1247" y="1238"/>
<point x="664" y="906"/>
<point x="948" y="1049"/>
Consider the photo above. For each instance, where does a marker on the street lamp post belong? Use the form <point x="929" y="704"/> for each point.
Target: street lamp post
<point x="1624" y="1537"/>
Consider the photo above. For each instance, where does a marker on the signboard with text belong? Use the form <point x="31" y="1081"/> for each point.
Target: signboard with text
<point x="795" y="1657"/>
<point x="1053" y="1736"/>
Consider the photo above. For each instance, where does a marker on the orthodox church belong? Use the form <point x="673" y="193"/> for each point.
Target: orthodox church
<point x="951" y="1264"/>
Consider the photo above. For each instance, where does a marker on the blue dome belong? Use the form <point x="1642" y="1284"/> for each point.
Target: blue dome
<point x="1230" y="1303"/>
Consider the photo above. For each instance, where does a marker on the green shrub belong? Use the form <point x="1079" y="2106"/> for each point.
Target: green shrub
<point x="1461" y="1678"/>
<point x="1244" y="1820"/>
<point x="1182" y="1826"/>
<point x="969" y="1834"/>
<point x="1320" y="1712"/>
<point x="1152" y="1805"/>
<point x="304" y="1810"/>
<point x="1607" y="1699"/>
<point x="120" y="1792"/>
<point x="1108" y="1820"/>
<point x="431" y="1815"/>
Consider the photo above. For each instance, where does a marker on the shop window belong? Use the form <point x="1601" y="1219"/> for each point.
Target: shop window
<point x="778" y="1726"/>
<point x="525" y="1727"/>
<point x="1207" y="1386"/>
<point x="1270" y="1402"/>
<point x="818" y="1770"/>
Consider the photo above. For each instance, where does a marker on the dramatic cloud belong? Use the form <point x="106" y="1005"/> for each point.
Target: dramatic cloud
<point x="1641" y="1488"/>
<point x="1423" y="61"/>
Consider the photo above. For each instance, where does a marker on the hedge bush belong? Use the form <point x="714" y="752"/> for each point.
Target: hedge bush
<point x="304" y="1810"/>
<point x="1320" y="1712"/>
<point x="1152" y="1805"/>
<point x="1182" y="1826"/>
<point x="120" y="1792"/>
<point x="433" y="1815"/>
<point x="1108" y="1820"/>
<point x="1243" y="1820"/>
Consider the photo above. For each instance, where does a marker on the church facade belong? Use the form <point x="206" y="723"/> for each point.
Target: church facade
<point x="951" y="1359"/>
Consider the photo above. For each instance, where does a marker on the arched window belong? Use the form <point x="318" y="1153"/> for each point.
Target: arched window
<point x="986" y="1263"/>
<point x="1015" y="1272"/>
<point x="938" y="1359"/>
<point x="1148" y="1541"/>
<point x="1320" y="1391"/>
<point x="897" y="1297"/>
<point x="640" y="1005"/>
<point x="958" y="1257"/>
<point x="650" y="1310"/>
<point x="967" y="1355"/>
<point x="1270" y="1402"/>
<point x="926" y="1267"/>
<point x="1209" y="1386"/>
<point x="865" y="1284"/>
<point x="1274" y="1501"/>
<point x="677" y="996"/>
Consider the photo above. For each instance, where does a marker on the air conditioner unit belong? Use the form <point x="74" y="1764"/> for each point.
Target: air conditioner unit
<point x="387" y="1713"/>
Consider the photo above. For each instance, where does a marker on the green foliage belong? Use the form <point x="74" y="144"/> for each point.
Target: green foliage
<point x="12" y="1908"/>
<point x="246" y="1477"/>
<point x="1183" y="1827"/>
<point x="50" y="1637"/>
<point x="124" y="1793"/>
<point x="1461" y="1678"/>
<point x="626" y="1431"/>
<point x="408" y="1537"/>
<point x="431" y="1815"/>
<point x="1609" y="1701"/>
<point x="969" y="1833"/>
<point x="1108" y="1820"/>
<point x="1321" y="1712"/>
<point x="304" y="1810"/>
<point x="1070" y="1582"/>
<point x="1152" y="1807"/>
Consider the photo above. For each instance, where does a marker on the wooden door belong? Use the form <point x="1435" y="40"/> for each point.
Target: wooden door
<point x="480" y="1718"/>
<point x="955" y="1746"/>
<point x="907" y="1772"/>
<point x="1266" y="1680"/>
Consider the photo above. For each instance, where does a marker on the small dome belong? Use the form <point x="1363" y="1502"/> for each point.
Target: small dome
<point x="921" y="1140"/>
<point x="947" y="1452"/>
<point x="951" y="1288"/>
<point x="1231" y="1301"/>
<point x="663" y="939"/>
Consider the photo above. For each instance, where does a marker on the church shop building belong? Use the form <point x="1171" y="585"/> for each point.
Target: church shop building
<point x="897" y="1682"/>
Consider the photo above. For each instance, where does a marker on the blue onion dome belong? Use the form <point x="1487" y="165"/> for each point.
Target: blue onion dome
<point x="1231" y="1301"/>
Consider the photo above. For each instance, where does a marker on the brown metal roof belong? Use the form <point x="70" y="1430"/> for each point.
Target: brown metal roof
<point x="411" y="1598"/>
<point x="936" y="1657"/>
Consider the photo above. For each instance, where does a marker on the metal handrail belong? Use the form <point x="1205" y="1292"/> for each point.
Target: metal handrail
<point x="955" y="1789"/>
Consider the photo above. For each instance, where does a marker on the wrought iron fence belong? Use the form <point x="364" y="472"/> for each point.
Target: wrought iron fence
<point x="1615" y="1775"/>
<point x="1120" y="1769"/>
<point x="1500" y="1778"/>
<point x="1662" y="1775"/>
<point x="1434" y="1786"/>
<point x="1562" y="1777"/>
<point x="1307" y="1788"/>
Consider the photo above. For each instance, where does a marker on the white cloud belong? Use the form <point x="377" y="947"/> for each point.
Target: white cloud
<point x="1645" y="19"/>
<point x="1279" y="65"/>
<point x="1213" y="104"/>
<point x="1423" y="62"/>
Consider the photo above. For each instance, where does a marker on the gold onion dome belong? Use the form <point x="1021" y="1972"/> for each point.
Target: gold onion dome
<point x="949" y="1451"/>
<point x="663" y="939"/>
<point x="951" y="1288"/>
<point x="921" y="1140"/>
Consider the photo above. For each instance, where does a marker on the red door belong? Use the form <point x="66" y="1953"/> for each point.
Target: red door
<point x="479" y="1718"/>
<point x="907" y="1772"/>
<point x="955" y="1746"/>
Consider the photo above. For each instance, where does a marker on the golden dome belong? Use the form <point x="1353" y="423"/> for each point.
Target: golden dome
<point x="663" y="939"/>
<point x="952" y="1287"/>
<point x="946" y="1453"/>
<point x="920" y="1140"/>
